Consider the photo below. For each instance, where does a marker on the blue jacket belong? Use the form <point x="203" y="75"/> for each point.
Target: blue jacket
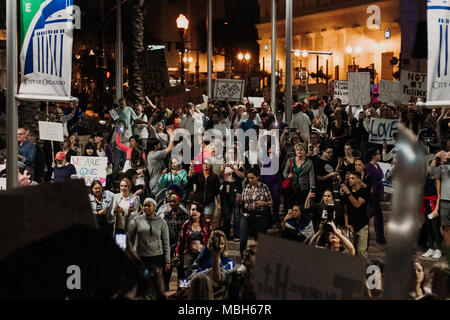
<point x="28" y="153"/>
<point x="107" y="202"/>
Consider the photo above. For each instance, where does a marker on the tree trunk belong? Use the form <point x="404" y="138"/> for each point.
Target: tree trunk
<point x="135" y="47"/>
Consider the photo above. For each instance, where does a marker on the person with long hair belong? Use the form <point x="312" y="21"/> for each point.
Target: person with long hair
<point x="300" y="170"/>
<point x="201" y="288"/>
<point x="104" y="150"/>
<point x="90" y="150"/>
<point x="320" y="210"/>
<point x="375" y="178"/>
<point x="417" y="285"/>
<point x="346" y="163"/>
<point x="194" y="227"/>
<point x="125" y="206"/>
<point x="335" y="239"/>
<point x="174" y="175"/>
<point x="102" y="204"/>
<point x="359" y="167"/>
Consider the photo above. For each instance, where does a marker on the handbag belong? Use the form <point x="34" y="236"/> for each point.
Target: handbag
<point x="287" y="183"/>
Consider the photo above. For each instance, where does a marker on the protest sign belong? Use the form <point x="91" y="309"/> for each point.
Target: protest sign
<point x="390" y="91"/>
<point x="2" y="183"/>
<point x="414" y="85"/>
<point x="387" y="178"/>
<point x="114" y="114"/>
<point x="341" y="91"/>
<point x="257" y="101"/>
<point x="91" y="168"/>
<point x="438" y="15"/>
<point x="305" y="272"/>
<point x="153" y="70"/>
<point x="358" y="88"/>
<point x="179" y="97"/>
<point x="40" y="211"/>
<point x="52" y="131"/>
<point x="228" y="89"/>
<point x="383" y="129"/>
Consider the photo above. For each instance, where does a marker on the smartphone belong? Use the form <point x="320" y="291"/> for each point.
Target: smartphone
<point x="184" y="283"/>
<point x="430" y="216"/>
<point x="131" y="203"/>
<point x="121" y="240"/>
<point x="121" y="129"/>
<point x="292" y="129"/>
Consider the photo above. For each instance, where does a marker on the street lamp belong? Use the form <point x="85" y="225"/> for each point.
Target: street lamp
<point x="182" y="25"/>
<point x="247" y="58"/>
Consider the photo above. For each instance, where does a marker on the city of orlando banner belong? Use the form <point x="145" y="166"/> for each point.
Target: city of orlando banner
<point x="46" y="36"/>
<point x="438" y="13"/>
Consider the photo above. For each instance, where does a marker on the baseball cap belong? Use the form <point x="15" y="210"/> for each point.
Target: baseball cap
<point x="298" y="105"/>
<point x="60" y="155"/>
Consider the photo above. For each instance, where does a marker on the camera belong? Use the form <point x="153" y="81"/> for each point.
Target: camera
<point x="292" y="129"/>
<point x="216" y="240"/>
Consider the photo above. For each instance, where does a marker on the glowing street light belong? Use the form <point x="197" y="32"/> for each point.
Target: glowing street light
<point x="240" y="56"/>
<point x="349" y="50"/>
<point x="247" y="56"/>
<point x="297" y="53"/>
<point x="358" y="49"/>
<point x="182" y="25"/>
<point x="182" y="22"/>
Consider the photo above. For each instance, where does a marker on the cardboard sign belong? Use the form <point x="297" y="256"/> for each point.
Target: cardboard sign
<point x="228" y="89"/>
<point x="153" y="67"/>
<point x="304" y="272"/>
<point x="387" y="168"/>
<point x="179" y="98"/>
<point x="91" y="168"/>
<point x="52" y="131"/>
<point x="358" y="88"/>
<point x="257" y="101"/>
<point x="341" y="91"/>
<point x="2" y="183"/>
<point x="390" y="91"/>
<point x="383" y="129"/>
<point x="40" y="211"/>
<point x="414" y="85"/>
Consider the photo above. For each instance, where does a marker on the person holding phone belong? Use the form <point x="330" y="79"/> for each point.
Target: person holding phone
<point x="125" y="206"/>
<point x="324" y="210"/>
<point x="153" y="246"/>
<point x="102" y="204"/>
<point x="335" y="240"/>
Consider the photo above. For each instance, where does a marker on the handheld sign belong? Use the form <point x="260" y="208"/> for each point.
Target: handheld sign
<point x="341" y="91"/>
<point x="2" y="183"/>
<point x="52" y="131"/>
<point x="414" y="85"/>
<point x="358" y="88"/>
<point x="390" y="91"/>
<point x="387" y="183"/>
<point x="228" y="89"/>
<point x="383" y="129"/>
<point x="257" y="101"/>
<point x="91" y="168"/>
<point x="305" y="272"/>
<point x="114" y="114"/>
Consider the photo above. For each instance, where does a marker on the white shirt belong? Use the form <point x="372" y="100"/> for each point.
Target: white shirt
<point x="140" y="129"/>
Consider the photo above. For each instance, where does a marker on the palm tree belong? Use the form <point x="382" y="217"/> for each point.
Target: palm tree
<point x="135" y="48"/>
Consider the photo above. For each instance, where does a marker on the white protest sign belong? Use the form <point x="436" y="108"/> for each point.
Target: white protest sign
<point x="414" y="85"/>
<point x="304" y="272"/>
<point x="52" y="131"/>
<point x="2" y="183"/>
<point x="2" y="167"/>
<point x="438" y="15"/>
<point x="341" y="91"/>
<point x="383" y="129"/>
<point x="390" y="91"/>
<point x="358" y="88"/>
<point x="114" y="114"/>
<point x="387" y="183"/>
<point x="228" y="89"/>
<point x="257" y="101"/>
<point x="91" y="168"/>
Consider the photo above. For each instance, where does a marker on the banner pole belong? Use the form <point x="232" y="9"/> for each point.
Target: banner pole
<point x="12" y="117"/>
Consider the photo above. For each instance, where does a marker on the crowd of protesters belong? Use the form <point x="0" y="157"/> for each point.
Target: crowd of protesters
<point x="179" y="216"/>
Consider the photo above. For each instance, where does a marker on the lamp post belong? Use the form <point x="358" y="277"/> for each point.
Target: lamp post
<point x="182" y="25"/>
<point x="246" y="57"/>
<point x="305" y="53"/>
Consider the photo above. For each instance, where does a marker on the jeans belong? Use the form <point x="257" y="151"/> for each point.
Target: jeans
<point x="275" y="192"/>
<point x="119" y="160"/>
<point x="251" y="226"/>
<point x="236" y="220"/>
<point x="228" y="204"/>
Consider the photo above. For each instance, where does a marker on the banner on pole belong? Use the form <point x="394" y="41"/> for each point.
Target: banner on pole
<point x="358" y="88"/>
<point x="383" y="129"/>
<point x="46" y="49"/>
<point x="414" y="85"/>
<point x="341" y="91"/>
<point x="438" y="15"/>
<point x="52" y="131"/>
<point x="91" y="168"/>
<point x="228" y="89"/>
<point x="390" y="91"/>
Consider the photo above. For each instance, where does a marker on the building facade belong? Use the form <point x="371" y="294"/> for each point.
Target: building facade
<point x="358" y="33"/>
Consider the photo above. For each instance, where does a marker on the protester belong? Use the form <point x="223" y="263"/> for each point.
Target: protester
<point x="27" y="150"/>
<point x="62" y="170"/>
<point x="102" y="205"/>
<point x="125" y="207"/>
<point x="297" y="226"/>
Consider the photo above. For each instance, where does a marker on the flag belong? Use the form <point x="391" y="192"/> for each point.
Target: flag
<point x="46" y="49"/>
<point x="438" y="85"/>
